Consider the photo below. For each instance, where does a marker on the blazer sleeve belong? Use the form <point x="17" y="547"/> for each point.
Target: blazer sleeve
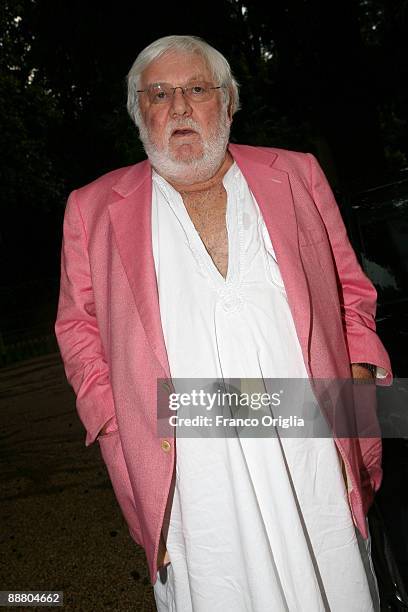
<point x="76" y="328"/>
<point x="358" y="297"/>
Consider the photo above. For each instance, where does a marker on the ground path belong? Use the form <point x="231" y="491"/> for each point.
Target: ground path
<point x="60" y="525"/>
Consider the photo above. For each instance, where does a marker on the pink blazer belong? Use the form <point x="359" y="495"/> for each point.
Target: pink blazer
<point x="111" y="340"/>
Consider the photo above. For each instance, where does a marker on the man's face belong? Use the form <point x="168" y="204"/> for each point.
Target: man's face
<point x="183" y="132"/>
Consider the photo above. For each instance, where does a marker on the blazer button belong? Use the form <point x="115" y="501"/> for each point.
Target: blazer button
<point x="166" y="446"/>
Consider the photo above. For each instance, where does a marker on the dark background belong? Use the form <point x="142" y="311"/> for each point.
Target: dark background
<point x="326" y="76"/>
<point x="322" y="76"/>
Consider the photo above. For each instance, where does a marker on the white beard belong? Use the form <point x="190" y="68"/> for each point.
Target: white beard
<point x="194" y="169"/>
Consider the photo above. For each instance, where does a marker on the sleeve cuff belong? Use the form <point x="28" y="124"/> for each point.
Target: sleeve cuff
<point x="91" y="437"/>
<point x="381" y="373"/>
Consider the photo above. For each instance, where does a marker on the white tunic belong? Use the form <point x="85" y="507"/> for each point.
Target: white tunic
<point x="256" y="524"/>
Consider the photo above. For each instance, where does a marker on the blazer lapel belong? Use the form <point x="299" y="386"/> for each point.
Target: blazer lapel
<point x="131" y="220"/>
<point x="272" y="191"/>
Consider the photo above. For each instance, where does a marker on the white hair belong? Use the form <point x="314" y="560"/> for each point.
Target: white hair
<point x="217" y="64"/>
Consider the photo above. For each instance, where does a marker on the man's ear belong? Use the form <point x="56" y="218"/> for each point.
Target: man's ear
<point x="229" y="110"/>
<point x="230" y="105"/>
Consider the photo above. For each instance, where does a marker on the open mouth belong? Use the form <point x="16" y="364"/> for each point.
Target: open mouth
<point x="183" y="132"/>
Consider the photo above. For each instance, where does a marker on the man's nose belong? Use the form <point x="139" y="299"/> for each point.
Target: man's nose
<point x="179" y="103"/>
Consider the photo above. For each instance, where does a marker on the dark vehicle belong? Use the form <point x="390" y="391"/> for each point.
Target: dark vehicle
<point x="377" y="222"/>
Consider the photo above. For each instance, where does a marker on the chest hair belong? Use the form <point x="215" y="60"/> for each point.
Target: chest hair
<point x="207" y="212"/>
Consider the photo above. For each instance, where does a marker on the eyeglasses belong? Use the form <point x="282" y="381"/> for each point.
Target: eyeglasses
<point x="162" y="93"/>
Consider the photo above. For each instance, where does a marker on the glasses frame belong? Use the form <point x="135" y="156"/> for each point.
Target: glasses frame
<point x="183" y="90"/>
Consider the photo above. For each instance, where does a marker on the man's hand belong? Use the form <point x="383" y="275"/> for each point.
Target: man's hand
<point x="163" y="555"/>
<point x="359" y="371"/>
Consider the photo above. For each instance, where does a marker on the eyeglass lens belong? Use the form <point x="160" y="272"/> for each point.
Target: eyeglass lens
<point x="197" y="91"/>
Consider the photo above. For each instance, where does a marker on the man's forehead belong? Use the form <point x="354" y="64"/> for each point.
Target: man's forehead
<point x="176" y="67"/>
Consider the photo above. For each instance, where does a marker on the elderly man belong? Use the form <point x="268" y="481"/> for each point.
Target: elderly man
<point x="213" y="260"/>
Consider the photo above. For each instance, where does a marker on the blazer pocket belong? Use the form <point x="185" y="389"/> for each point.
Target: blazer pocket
<point x="112" y="453"/>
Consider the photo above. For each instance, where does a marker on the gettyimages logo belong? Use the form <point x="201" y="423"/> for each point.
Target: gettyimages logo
<point x="203" y="399"/>
<point x="208" y="408"/>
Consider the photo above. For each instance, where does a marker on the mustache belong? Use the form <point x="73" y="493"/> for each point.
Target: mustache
<point x="188" y="123"/>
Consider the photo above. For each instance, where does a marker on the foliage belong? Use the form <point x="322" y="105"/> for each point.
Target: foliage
<point x="315" y="75"/>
